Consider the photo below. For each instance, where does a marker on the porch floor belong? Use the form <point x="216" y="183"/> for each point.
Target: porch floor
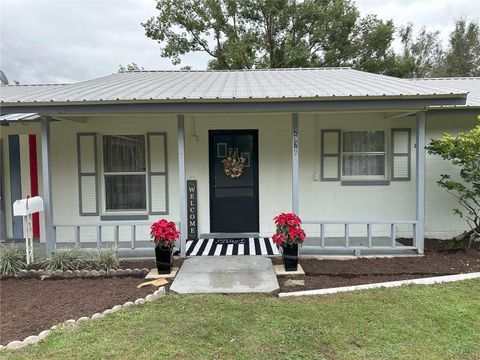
<point x="235" y="274"/>
<point x="232" y="246"/>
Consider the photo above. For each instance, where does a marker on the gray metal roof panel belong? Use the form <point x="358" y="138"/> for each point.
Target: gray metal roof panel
<point x="228" y="85"/>
<point x="470" y="84"/>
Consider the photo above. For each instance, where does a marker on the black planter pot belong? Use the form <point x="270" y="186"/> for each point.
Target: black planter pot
<point x="164" y="258"/>
<point x="290" y="257"/>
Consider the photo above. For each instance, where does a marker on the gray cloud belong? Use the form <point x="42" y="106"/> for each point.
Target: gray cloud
<point x="45" y="41"/>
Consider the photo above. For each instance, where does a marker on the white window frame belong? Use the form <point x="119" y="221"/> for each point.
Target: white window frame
<point x="385" y="153"/>
<point x="102" y="175"/>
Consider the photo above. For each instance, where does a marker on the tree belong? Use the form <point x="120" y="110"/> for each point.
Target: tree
<point x="462" y="151"/>
<point x="242" y="34"/>
<point x="129" y="67"/>
<point x="463" y="55"/>
<point x="421" y="56"/>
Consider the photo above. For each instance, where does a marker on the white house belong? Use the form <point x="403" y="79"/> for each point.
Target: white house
<point x="343" y="149"/>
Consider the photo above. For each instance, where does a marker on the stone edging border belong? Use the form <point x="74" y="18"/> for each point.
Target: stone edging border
<point x="68" y="274"/>
<point x="388" y="284"/>
<point x="35" y="339"/>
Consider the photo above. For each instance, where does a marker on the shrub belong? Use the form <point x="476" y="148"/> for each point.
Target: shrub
<point x="66" y="259"/>
<point x="105" y="259"/>
<point x="12" y="259"/>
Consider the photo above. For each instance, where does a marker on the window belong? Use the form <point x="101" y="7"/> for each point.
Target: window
<point x="124" y="168"/>
<point x="363" y="154"/>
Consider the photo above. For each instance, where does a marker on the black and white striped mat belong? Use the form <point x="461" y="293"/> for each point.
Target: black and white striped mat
<point x="226" y="247"/>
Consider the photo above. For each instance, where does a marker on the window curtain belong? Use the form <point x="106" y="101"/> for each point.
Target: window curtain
<point x="363" y="143"/>
<point x="124" y="153"/>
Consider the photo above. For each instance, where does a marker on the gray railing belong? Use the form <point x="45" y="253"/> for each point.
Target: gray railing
<point x="369" y="229"/>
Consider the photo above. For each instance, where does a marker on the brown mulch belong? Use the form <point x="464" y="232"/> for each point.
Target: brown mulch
<point x="321" y="274"/>
<point x="29" y="306"/>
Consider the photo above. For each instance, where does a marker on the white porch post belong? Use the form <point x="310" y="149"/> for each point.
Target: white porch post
<point x="47" y="186"/>
<point x="182" y="184"/>
<point x="295" y="174"/>
<point x="420" y="184"/>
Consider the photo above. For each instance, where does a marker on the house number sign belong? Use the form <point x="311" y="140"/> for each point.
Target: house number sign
<point x="192" y="209"/>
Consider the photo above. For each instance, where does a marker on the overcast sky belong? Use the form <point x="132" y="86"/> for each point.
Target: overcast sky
<point x="45" y="41"/>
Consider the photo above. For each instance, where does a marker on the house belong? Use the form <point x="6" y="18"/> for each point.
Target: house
<point x="343" y="149"/>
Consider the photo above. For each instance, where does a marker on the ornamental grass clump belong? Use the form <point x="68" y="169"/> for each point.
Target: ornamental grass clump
<point x="12" y="259"/>
<point x="164" y="233"/>
<point x="105" y="259"/>
<point x="288" y="230"/>
<point x="66" y="259"/>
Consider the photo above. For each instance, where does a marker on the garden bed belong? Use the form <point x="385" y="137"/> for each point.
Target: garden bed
<point x="322" y="274"/>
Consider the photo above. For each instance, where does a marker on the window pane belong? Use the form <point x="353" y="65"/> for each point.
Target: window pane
<point x="359" y="165"/>
<point x="124" y="153"/>
<point x="125" y="192"/>
<point x="363" y="141"/>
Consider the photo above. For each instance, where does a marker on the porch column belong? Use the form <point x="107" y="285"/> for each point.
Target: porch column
<point x="295" y="175"/>
<point x="420" y="184"/>
<point x="182" y="184"/>
<point x="47" y="186"/>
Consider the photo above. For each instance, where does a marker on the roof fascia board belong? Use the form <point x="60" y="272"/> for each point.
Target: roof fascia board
<point x="291" y="106"/>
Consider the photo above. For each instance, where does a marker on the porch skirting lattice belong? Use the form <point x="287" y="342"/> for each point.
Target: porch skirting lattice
<point x="226" y="247"/>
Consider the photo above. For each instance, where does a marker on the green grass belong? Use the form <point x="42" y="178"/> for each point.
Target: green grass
<point x="414" y="322"/>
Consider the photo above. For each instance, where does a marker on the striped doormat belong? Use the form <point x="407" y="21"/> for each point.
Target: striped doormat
<point x="226" y="247"/>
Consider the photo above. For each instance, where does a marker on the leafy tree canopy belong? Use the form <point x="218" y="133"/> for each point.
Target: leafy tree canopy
<point x="245" y="34"/>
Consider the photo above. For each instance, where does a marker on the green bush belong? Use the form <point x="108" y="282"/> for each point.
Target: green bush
<point x="12" y="259"/>
<point x="105" y="259"/>
<point x="66" y="259"/>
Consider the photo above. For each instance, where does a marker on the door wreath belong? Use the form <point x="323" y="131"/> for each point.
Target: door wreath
<point x="233" y="165"/>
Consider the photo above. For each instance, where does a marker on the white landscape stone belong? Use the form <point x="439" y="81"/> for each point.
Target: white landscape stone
<point x="43" y="334"/>
<point x="32" y="339"/>
<point x="70" y="322"/>
<point x="83" y="318"/>
<point x="149" y="297"/>
<point x="108" y="311"/>
<point x="128" y="303"/>
<point x="139" y="301"/>
<point x="97" y="316"/>
<point x="116" y="307"/>
<point x="14" y="345"/>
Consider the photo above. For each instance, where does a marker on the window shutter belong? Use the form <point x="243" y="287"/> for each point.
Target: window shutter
<point x="401" y="154"/>
<point x="87" y="173"/>
<point x="157" y="173"/>
<point x="330" y="155"/>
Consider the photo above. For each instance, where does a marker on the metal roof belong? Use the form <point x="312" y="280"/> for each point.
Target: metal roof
<point x="470" y="84"/>
<point x="241" y="85"/>
<point x="18" y="90"/>
<point x="19" y="117"/>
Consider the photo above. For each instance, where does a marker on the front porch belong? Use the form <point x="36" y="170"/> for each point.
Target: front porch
<point x="295" y="174"/>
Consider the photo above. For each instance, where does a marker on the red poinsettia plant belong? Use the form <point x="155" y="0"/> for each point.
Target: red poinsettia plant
<point x="288" y="230"/>
<point x="164" y="233"/>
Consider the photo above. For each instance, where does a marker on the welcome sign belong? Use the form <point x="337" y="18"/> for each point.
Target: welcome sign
<point x="192" y="208"/>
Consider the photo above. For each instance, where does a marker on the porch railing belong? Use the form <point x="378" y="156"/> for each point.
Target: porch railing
<point x="137" y="246"/>
<point x="369" y="228"/>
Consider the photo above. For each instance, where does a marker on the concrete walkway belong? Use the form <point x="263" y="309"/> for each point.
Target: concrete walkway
<point x="229" y="274"/>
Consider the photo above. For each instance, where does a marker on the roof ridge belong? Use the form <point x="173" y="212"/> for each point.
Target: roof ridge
<point x="242" y="70"/>
<point x="26" y="85"/>
<point x="447" y="78"/>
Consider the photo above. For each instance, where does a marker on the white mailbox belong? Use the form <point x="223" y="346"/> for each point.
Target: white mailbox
<point x="27" y="206"/>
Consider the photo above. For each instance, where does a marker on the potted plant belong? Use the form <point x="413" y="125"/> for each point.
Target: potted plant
<point x="164" y="233"/>
<point x="289" y="235"/>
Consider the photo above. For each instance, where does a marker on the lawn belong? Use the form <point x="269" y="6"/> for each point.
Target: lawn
<point x="414" y="322"/>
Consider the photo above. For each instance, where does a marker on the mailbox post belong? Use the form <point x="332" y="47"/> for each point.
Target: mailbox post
<point x="25" y="208"/>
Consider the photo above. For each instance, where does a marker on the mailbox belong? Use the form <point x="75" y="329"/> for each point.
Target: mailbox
<point x="27" y="206"/>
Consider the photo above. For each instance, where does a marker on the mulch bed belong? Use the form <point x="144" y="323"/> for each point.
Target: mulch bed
<point x="29" y="306"/>
<point x="321" y="274"/>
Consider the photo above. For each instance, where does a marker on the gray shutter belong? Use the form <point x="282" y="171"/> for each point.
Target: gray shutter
<point x="330" y="155"/>
<point x="157" y="173"/>
<point x="401" y="154"/>
<point x="87" y="173"/>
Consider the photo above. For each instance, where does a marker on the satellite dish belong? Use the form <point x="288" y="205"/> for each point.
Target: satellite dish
<point x="3" y="78"/>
